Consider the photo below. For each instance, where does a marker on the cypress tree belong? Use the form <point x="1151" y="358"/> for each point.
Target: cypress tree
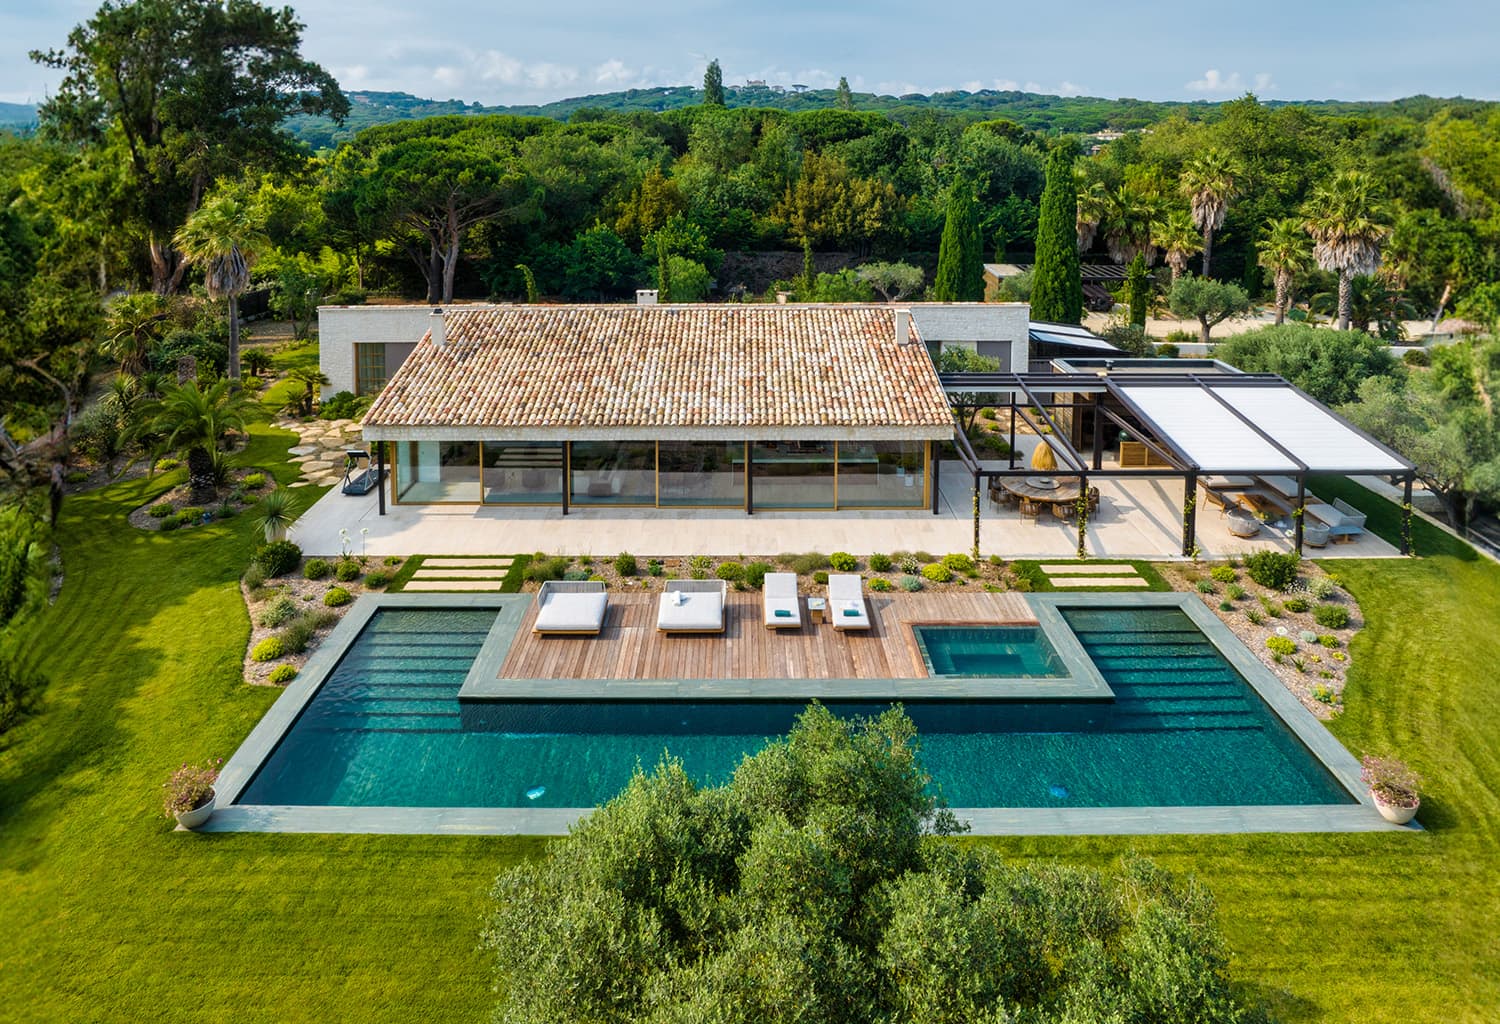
<point x="1056" y="288"/>
<point x="713" y="85"/>
<point x="809" y="282"/>
<point x="960" y="269"/>
<point x="1137" y="290"/>
<point x="844" y="97"/>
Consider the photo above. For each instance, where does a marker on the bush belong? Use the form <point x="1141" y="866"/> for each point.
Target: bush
<point x="911" y="584"/>
<point x="347" y="570"/>
<point x="253" y="481"/>
<point x="1295" y="604"/>
<point x="161" y="511"/>
<point x="279" y="557"/>
<point x="1234" y="592"/>
<point x="937" y="572"/>
<point x="625" y="564"/>
<point x="755" y="574"/>
<point x="1329" y="640"/>
<point x="283" y="674"/>
<point x="1273" y="569"/>
<point x="269" y="649"/>
<point x="299" y="632"/>
<point x="809" y="563"/>
<point x="880" y="585"/>
<point x="316" y="569"/>
<point x="391" y="561"/>
<point x="1254" y="616"/>
<point x="1331" y="616"/>
<point x="279" y="612"/>
<point x="165" y="464"/>
<point x="255" y="576"/>
<point x="189" y="788"/>
<point x="377" y="580"/>
<point x="820" y="577"/>
<point x="1224" y="573"/>
<point x="880" y="563"/>
<point x="701" y="562"/>
<point x="337" y="597"/>
<point x="1226" y="606"/>
<point x="1417" y="357"/>
<point x="843" y="561"/>
<point x="541" y="569"/>
<point x="1282" y="645"/>
<point x="910" y="564"/>
<point x="343" y="405"/>
<point x="225" y="511"/>
<point x="1271" y="607"/>
<point x="958" y="563"/>
<point x="733" y="572"/>
<point x="582" y="575"/>
<point x="1205" y="586"/>
<point x="655" y="567"/>
<point x="1321" y="588"/>
<point x="170" y="523"/>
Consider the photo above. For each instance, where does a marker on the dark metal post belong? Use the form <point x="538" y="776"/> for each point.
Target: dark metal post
<point x="976" y="517"/>
<point x="936" y="447"/>
<point x="1301" y="514"/>
<point x="750" y="477"/>
<point x="380" y="475"/>
<point x="567" y="473"/>
<point x="1406" y="515"/>
<point x="1098" y="432"/>
<point x="1012" y="430"/>
<point x="1190" y="514"/>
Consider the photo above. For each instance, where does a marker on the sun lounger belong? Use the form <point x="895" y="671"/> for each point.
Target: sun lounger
<point x="570" y="607"/>
<point x="779" y="599"/>
<point x="846" y="602"/>
<point x="692" y="606"/>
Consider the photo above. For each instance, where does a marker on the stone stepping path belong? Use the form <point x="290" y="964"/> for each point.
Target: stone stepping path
<point x="484" y="586"/>
<point x="1088" y="569"/>
<point x="1093" y="575"/>
<point x="456" y="572"/>
<point x="1089" y="582"/>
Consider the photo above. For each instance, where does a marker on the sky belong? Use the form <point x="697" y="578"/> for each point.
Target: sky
<point x="509" y="53"/>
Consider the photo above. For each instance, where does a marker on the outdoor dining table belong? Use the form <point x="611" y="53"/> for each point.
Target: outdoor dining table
<point x="1048" y="489"/>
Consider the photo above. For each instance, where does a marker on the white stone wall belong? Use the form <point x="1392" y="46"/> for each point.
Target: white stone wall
<point x="968" y="323"/>
<point x="340" y="327"/>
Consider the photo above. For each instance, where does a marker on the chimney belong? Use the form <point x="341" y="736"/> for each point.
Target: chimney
<point x="903" y="327"/>
<point x="439" y="331"/>
<point x="646" y="296"/>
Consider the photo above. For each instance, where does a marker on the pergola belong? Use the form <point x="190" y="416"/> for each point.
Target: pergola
<point x="1196" y="423"/>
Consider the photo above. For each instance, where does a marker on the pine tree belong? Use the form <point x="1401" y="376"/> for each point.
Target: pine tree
<point x="1137" y="290"/>
<point x="844" y="97"/>
<point x="960" y="270"/>
<point x="1056" y="288"/>
<point x="713" y="85"/>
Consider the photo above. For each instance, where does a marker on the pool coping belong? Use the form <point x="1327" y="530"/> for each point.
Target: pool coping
<point x="1357" y="816"/>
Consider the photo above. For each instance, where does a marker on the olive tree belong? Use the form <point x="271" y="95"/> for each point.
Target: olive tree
<point x="1207" y="301"/>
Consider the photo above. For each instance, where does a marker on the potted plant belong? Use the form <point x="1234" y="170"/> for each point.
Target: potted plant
<point x="274" y="515"/>
<point x="189" y="794"/>
<point x="1393" y="787"/>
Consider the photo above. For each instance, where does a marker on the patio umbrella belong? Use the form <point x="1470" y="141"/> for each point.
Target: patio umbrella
<point x="1043" y="459"/>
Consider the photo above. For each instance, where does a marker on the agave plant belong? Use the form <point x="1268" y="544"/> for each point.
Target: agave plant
<point x="274" y="515"/>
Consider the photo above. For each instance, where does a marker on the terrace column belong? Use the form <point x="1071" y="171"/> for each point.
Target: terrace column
<point x="937" y="461"/>
<point x="1301" y="512"/>
<point x="567" y="473"/>
<point x="1406" y="514"/>
<point x="1098" y="432"/>
<point x="380" y="476"/>
<point x="1012" y="430"/>
<point x="976" y="517"/>
<point x="1190" y="514"/>
<point x="750" y="476"/>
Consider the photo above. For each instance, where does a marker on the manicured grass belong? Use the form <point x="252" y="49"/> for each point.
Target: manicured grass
<point x="108" y="915"/>
<point x="1030" y="569"/>
<point x="510" y="582"/>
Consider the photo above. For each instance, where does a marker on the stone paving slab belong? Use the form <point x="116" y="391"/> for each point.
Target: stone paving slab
<point x="1086" y="569"/>
<point x="459" y="562"/>
<point x="459" y="574"/>
<point x="490" y="586"/>
<point x="303" y="449"/>
<point x="1085" y="582"/>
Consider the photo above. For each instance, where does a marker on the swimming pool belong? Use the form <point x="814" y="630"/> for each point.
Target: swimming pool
<point x="978" y="652"/>
<point x="386" y="729"/>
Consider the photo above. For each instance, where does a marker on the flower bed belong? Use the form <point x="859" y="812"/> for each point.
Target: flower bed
<point x="245" y="488"/>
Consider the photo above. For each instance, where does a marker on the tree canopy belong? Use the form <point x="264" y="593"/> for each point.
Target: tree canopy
<point x="1056" y="287"/>
<point x="1329" y="365"/>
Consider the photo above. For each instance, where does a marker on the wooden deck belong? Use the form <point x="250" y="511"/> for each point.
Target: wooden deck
<point x="631" y="648"/>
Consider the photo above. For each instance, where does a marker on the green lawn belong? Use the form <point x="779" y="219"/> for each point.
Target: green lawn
<point x="109" y="915"/>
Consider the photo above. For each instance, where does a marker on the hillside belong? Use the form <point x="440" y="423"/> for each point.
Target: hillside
<point x="17" y="115"/>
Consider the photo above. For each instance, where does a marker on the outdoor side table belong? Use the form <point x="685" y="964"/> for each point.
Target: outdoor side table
<point x="816" y="606"/>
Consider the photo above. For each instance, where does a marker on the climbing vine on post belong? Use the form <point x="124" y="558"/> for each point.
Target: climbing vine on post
<point x="1081" y="512"/>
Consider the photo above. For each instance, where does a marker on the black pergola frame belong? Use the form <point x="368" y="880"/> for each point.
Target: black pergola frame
<point x="1004" y="388"/>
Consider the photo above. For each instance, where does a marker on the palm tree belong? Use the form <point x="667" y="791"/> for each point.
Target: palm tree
<point x="1093" y="204"/>
<point x="223" y="238"/>
<point x="1348" y="227"/>
<point x="1129" y="213"/>
<point x="190" y="418"/>
<point x="131" y="325"/>
<point x="1286" y="254"/>
<point x="1210" y="182"/>
<point x="1176" y="236"/>
<point x="309" y="377"/>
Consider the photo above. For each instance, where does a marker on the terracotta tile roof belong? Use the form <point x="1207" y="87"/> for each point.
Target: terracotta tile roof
<point x="712" y="366"/>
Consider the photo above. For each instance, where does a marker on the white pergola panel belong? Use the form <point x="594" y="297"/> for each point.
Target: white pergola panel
<point x="1208" y="433"/>
<point x="1309" y="431"/>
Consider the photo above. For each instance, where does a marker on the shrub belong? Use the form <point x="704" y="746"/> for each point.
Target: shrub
<point x="937" y="572"/>
<point x="1295" y="604"/>
<point x="1254" y="616"/>
<point x="924" y="557"/>
<point x="225" y="511"/>
<point x="1205" y="586"/>
<point x="586" y="560"/>
<point x="1322" y="694"/>
<point x="581" y="575"/>
<point x="843" y="561"/>
<point x="910" y="565"/>
<point x="253" y="481"/>
<point x="1271" y="607"/>
<point x="820" y="577"/>
<point x="279" y="612"/>
<point x="1224" y="573"/>
<point x="377" y="580"/>
<point x="1282" y="645"/>
<point x="347" y="570"/>
<point x="1390" y="781"/>
<point x="541" y="569"/>
<point x="391" y="560"/>
<point x="701" y="562"/>
<point x="170" y="523"/>
<point x="1329" y="640"/>
<point x="958" y="563"/>
<point x="278" y="557"/>
<point x="730" y="571"/>
<point x="808" y="563"/>
<point x="299" y="632"/>
<point x="880" y="585"/>
<point x="911" y="584"/>
<point x="1331" y="616"/>
<point x="625" y="564"/>
<point x="1321" y="588"/>
<point x="1226" y="606"/>
<point x="596" y="578"/>
<point x="880" y="563"/>
<point x="161" y="511"/>
<point x="255" y="576"/>
<point x="165" y="464"/>
<point x="1273" y="569"/>
<point x="755" y="574"/>
<point x="316" y="569"/>
<point x="655" y="567"/>
<point x="337" y="597"/>
<point x="189" y="788"/>
<point x="1234" y="592"/>
<point x="269" y="649"/>
<point x="283" y="674"/>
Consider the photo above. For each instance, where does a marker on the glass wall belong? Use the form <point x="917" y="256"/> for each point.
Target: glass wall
<point x="523" y="472"/>
<point x="437" y="471"/>
<point x="792" y="474"/>
<point x="881" y="474"/>
<point x="613" y="473"/>
<point x="703" y="473"/>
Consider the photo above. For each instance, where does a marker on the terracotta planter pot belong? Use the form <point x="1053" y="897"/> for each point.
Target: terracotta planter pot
<point x="1394" y="813"/>
<point x="198" y="815"/>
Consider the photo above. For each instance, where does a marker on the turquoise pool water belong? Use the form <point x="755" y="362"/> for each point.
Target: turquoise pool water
<point x="972" y="652"/>
<point x="387" y="729"/>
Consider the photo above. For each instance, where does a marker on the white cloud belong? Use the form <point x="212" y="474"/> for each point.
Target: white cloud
<point x="1214" y="82"/>
<point x="1067" y="88"/>
<point x="1264" y="83"/>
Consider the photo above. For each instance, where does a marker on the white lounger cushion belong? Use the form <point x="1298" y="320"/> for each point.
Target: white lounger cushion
<point x="780" y="595"/>
<point x="697" y="612"/>
<point x="572" y="613"/>
<point x="846" y="602"/>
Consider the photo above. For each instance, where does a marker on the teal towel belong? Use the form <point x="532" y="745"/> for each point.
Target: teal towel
<point x="783" y="613"/>
<point x="852" y="613"/>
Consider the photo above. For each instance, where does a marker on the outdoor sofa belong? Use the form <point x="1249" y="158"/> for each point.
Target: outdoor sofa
<point x="692" y="606"/>
<point x="570" y="607"/>
<point x="1341" y="518"/>
<point x="779" y="601"/>
<point x="846" y="602"/>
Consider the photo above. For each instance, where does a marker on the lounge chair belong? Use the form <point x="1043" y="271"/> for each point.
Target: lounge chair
<point x="692" y="606"/>
<point x="846" y="602"/>
<point x="569" y="607"/>
<point x="779" y="600"/>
